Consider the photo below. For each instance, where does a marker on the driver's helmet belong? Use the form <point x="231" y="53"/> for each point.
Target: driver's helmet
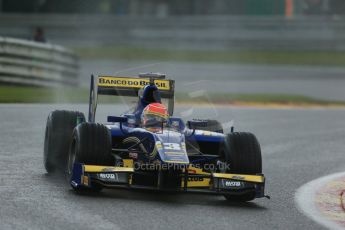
<point x="154" y="115"/>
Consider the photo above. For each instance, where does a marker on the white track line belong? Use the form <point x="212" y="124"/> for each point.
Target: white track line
<point x="306" y="203"/>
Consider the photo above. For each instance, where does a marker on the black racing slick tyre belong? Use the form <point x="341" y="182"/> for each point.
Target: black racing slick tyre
<point x="213" y="126"/>
<point x="243" y="153"/>
<point x="91" y="145"/>
<point x="58" y="136"/>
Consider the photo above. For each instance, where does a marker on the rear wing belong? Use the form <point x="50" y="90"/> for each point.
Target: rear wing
<point x="128" y="86"/>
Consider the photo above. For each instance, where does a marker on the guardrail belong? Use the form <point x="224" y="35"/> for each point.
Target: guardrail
<point x="25" y="62"/>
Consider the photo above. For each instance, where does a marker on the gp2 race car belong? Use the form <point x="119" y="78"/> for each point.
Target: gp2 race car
<point x="195" y="156"/>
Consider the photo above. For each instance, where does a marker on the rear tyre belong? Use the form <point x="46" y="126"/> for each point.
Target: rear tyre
<point x="91" y="145"/>
<point x="243" y="153"/>
<point x="212" y="149"/>
<point x="212" y="126"/>
<point x="58" y="135"/>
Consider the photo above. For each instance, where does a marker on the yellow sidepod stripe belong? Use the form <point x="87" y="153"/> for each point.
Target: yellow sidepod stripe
<point x="241" y="177"/>
<point x="98" y="168"/>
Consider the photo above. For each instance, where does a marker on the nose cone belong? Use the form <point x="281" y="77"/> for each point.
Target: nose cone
<point x="171" y="147"/>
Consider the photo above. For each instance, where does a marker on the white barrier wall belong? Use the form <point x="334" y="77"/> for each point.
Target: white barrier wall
<point x="25" y="62"/>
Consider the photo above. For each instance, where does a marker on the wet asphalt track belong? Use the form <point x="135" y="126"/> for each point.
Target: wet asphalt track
<point x="297" y="145"/>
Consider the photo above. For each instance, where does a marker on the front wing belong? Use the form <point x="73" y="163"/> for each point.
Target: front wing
<point x="192" y="180"/>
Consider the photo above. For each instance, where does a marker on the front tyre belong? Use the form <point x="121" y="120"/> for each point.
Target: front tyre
<point x="243" y="153"/>
<point x="91" y="145"/>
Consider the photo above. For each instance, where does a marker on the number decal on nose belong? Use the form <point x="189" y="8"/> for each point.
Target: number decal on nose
<point x="172" y="146"/>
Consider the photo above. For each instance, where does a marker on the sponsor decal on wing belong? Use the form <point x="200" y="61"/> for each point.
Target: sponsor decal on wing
<point x="126" y="82"/>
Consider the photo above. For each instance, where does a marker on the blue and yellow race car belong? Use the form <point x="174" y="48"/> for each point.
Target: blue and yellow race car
<point x="149" y="148"/>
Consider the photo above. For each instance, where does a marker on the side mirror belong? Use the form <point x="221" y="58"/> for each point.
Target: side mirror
<point x="194" y="124"/>
<point x="117" y="119"/>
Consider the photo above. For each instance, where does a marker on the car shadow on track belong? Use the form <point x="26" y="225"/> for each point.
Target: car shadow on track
<point x="170" y="198"/>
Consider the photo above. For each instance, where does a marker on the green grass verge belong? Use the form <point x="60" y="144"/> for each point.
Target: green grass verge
<point x="12" y="94"/>
<point x="222" y="56"/>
